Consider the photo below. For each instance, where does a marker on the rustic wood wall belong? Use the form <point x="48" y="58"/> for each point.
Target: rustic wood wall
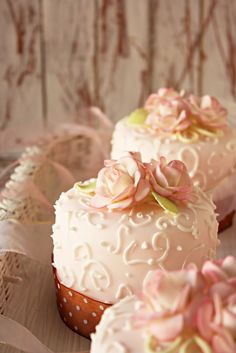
<point x="59" y="55"/>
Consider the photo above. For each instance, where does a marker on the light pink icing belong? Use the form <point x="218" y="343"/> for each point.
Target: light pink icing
<point x="107" y="254"/>
<point x="208" y="160"/>
<point x="202" y="140"/>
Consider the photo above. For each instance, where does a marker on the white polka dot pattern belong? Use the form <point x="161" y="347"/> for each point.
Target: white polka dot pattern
<point x="78" y="312"/>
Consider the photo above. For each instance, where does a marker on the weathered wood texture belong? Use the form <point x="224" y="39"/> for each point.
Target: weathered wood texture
<point x="20" y="69"/>
<point x="57" y="56"/>
<point x="195" y="46"/>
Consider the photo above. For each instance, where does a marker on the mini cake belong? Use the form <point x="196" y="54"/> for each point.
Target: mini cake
<point x="188" y="311"/>
<point x="111" y="231"/>
<point x="187" y="128"/>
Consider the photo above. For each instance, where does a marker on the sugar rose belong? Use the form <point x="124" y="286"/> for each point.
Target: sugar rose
<point x="216" y="318"/>
<point x="121" y="183"/>
<point x="168" y="111"/>
<point x="220" y="270"/>
<point x="191" y="310"/>
<point x="171" y="179"/>
<point x="167" y="296"/>
<point x="208" y="112"/>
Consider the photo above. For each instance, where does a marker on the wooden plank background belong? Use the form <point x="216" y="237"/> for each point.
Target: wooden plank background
<point x="57" y="56"/>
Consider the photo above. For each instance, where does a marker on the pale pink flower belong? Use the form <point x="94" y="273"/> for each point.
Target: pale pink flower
<point x="167" y="296"/>
<point x="196" y="306"/>
<point x="220" y="270"/>
<point x="168" y="111"/>
<point x="208" y="112"/>
<point x="171" y="179"/>
<point x="216" y="318"/>
<point x="121" y="183"/>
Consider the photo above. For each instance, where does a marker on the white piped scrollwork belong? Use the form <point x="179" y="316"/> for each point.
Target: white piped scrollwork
<point x="94" y="275"/>
<point x="194" y="249"/>
<point x="123" y="291"/>
<point x="139" y="219"/>
<point x="164" y="249"/>
<point x="82" y="252"/>
<point x="121" y="232"/>
<point x="92" y="217"/>
<point x="192" y="162"/>
<point x="68" y="277"/>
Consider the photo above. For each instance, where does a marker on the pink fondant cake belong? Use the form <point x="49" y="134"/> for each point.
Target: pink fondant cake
<point x="192" y="129"/>
<point x="187" y="311"/>
<point x="134" y="218"/>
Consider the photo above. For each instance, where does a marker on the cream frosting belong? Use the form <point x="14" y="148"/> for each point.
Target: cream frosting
<point x="115" y="332"/>
<point x="106" y="254"/>
<point x="203" y="158"/>
<point x="223" y="197"/>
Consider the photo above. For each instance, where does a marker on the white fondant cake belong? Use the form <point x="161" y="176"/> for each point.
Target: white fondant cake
<point x="190" y="311"/>
<point x="173" y="127"/>
<point x="209" y="160"/>
<point x="105" y="253"/>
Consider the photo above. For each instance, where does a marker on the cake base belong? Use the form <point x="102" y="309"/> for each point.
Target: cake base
<point x="80" y="313"/>
<point x="226" y="222"/>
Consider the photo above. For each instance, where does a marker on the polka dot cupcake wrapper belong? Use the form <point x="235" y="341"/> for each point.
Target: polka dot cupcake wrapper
<point x="80" y="313"/>
<point x="226" y="222"/>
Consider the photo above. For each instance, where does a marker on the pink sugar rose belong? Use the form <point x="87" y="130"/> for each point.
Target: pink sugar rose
<point x="208" y="111"/>
<point x="191" y="310"/>
<point x="220" y="270"/>
<point x="171" y="179"/>
<point x="168" y="111"/>
<point x="121" y="183"/>
<point x="167" y="296"/>
<point x="216" y="319"/>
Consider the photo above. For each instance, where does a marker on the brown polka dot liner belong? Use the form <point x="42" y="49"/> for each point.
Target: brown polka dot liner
<point x="80" y="313"/>
<point x="226" y="222"/>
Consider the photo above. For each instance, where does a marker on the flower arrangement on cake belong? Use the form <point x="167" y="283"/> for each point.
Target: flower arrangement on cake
<point x="186" y="311"/>
<point x="111" y="231"/>
<point x="189" y="128"/>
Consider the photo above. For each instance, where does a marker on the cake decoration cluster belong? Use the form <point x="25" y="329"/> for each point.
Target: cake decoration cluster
<point x="190" y="310"/>
<point x="128" y="181"/>
<point x="188" y="117"/>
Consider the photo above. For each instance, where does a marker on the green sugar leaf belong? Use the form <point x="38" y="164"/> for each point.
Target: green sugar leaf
<point x="205" y="132"/>
<point x="165" y="203"/>
<point x="188" y="136"/>
<point x="138" y="117"/>
<point x="172" y="348"/>
<point x="87" y="187"/>
<point x="202" y="344"/>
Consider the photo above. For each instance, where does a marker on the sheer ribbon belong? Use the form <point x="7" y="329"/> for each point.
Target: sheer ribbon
<point x="17" y="336"/>
<point x="27" y="236"/>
